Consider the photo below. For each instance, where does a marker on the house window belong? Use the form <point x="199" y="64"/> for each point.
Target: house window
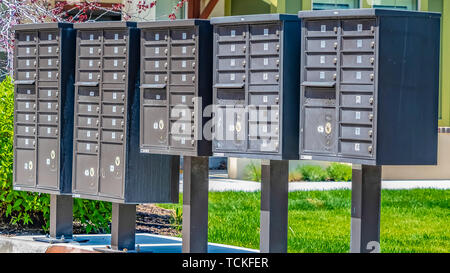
<point x="335" y="4"/>
<point x="396" y="4"/>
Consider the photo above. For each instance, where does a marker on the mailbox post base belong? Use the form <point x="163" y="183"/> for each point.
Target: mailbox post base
<point x="366" y="200"/>
<point x="61" y="220"/>
<point x="123" y="227"/>
<point x="195" y="204"/>
<point x="274" y="206"/>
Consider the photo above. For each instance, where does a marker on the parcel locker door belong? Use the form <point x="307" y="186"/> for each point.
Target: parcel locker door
<point x="319" y="130"/>
<point x="86" y="180"/>
<point x="111" y="170"/>
<point x="155" y="126"/>
<point x="48" y="163"/>
<point x="25" y="167"/>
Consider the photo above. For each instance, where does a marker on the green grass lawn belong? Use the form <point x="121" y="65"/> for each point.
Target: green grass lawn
<point x="319" y="221"/>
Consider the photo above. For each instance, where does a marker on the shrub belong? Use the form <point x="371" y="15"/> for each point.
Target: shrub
<point x="339" y="172"/>
<point x="295" y="175"/>
<point x="25" y="208"/>
<point x="312" y="173"/>
<point x="253" y="172"/>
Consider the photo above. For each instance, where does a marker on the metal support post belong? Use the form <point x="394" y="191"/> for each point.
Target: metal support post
<point x="195" y="204"/>
<point x="366" y="200"/>
<point x="274" y="206"/>
<point x="123" y="227"/>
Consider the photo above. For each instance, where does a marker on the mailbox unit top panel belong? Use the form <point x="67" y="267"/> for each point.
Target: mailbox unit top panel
<point x="168" y="23"/>
<point x="358" y="13"/>
<point x="112" y="24"/>
<point x="256" y="18"/>
<point x="41" y="26"/>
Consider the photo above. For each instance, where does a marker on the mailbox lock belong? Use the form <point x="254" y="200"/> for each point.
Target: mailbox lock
<point x="328" y="128"/>
<point x="278" y="62"/>
<point x="278" y="47"/>
<point x="372" y="29"/>
<point x="166" y="65"/>
<point x="123" y="77"/>
<point x="193" y="64"/>
<point x="35" y="50"/>
<point x="335" y="30"/>
<point x="243" y="34"/>
<point x="370" y="133"/>
<point x="276" y="100"/>
<point x="52" y="154"/>
<point x="193" y="78"/>
<point x="56" y="131"/>
<point x="98" y="77"/>
<point x="370" y="116"/>
<point x="372" y="76"/>
<point x="165" y="51"/>
<point x="335" y="45"/>
<point x="124" y="63"/>
<point x="121" y="124"/>
<point x="97" y="109"/>
<point x="335" y="60"/>
<point x="34" y="63"/>
<point x="34" y="106"/>
<point x="57" y="62"/>
<point x="165" y="78"/>
<point x="57" y="50"/>
<point x="193" y="100"/>
<point x="277" y="32"/>
<point x="334" y="76"/>
<point x="244" y="63"/>
<point x="277" y="77"/>
<point x="370" y="149"/>
<point x="56" y="93"/>
<point x="372" y="44"/>
<point x="371" y="100"/>
<point x="124" y="50"/>
<point x="123" y="97"/>
<point x="372" y="60"/>
<point x="244" y="48"/>
<point x="99" y="64"/>
<point x="96" y="136"/>
<point x="193" y="36"/>
<point x="96" y="123"/>
<point x="99" y="51"/>
<point x="193" y="50"/>
<point x="243" y="78"/>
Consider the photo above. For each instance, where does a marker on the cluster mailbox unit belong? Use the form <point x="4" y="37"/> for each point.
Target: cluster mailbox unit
<point x="369" y="92"/>
<point x="43" y="107"/>
<point x="107" y="162"/>
<point x="175" y="86"/>
<point x="369" y="96"/>
<point x="256" y="66"/>
<point x="255" y="92"/>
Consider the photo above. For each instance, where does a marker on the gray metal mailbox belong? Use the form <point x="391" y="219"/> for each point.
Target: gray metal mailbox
<point x="107" y="162"/>
<point x="43" y="107"/>
<point x="176" y="63"/>
<point x="256" y="66"/>
<point x="369" y="86"/>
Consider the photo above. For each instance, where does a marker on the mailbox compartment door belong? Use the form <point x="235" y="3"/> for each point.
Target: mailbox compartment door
<point x="48" y="154"/>
<point x="86" y="180"/>
<point x="320" y="131"/>
<point x="230" y="128"/>
<point x="112" y="170"/>
<point x="155" y="126"/>
<point x="25" y="167"/>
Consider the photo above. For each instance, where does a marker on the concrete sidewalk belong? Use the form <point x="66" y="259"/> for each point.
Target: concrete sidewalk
<point x="218" y="181"/>
<point x="146" y="243"/>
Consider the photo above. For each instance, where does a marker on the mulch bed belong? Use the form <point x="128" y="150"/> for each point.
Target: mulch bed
<point x="149" y="219"/>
